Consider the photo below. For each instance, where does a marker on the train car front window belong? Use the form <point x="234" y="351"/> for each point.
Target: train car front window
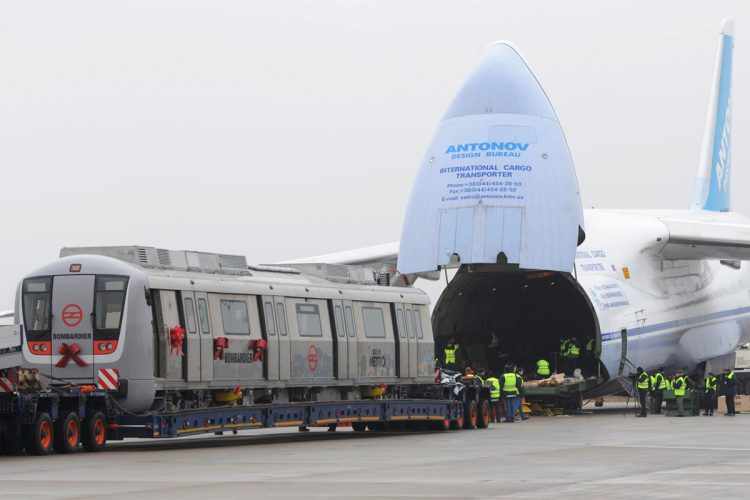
<point x="109" y="302"/>
<point x="37" y="305"/>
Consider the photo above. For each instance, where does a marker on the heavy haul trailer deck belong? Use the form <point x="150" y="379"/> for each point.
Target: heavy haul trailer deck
<point x="372" y="414"/>
<point x="61" y="420"/>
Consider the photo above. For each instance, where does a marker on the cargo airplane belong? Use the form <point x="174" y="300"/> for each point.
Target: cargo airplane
<point x="495" y="232"/>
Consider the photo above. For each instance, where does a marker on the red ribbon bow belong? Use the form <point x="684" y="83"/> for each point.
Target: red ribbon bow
<point x="258" y="347"/>
<point x="176" y="336"/>
<point x="69" y="352"/>
<point x="220" y="343"/>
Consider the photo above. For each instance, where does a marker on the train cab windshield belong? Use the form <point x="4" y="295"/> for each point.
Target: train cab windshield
<point x="37" y="305"/>
<point x="109" y="302"/>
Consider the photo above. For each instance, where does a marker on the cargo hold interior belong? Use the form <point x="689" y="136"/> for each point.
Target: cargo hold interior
<point x="499" y="316"/>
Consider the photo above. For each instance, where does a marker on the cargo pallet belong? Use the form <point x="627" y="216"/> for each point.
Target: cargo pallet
<point x="61" y="420"/>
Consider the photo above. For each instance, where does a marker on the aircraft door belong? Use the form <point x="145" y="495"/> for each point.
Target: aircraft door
<point x="272" y="337"/>
<point x="497" y="184"/>
<point x="73" y="326"/>
<point x="402" y="339"/>
<point x="353" y="336"/>
<point x="192" y="343"/>
<point x="206" y="339"/>
<point x="624" y="355"/>
<point x="285" y="353"/>
<point x="341" y="339"/>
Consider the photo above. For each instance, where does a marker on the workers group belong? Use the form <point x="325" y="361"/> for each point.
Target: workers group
<point x="506" y="395"/>
<point x="654" y="386"/>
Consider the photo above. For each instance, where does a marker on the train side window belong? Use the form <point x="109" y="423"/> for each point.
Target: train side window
<point x="281" y="315"/>
<point x="190" y="315"/>
<point x="374" y="322"/>
<point x="270" y="323"/>
<point x="109" y="302"/>
<point x="412" y="324"/>
<point x="418" y="322"/>
<point x="37" y="305"/>
<point x="234" y="317"/>
<point x="350" y="322"/>
<point x="308" y="320"/>
<point x="203" y="315"/>
<point x="401" y="324"/>
<point x="339" y="320"/>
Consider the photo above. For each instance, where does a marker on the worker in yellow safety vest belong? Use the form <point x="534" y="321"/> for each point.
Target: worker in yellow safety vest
<point x="570" y="352"/>
<point x="710" y="384"/>
<point x="510" y="391"/>
<point x="519" y="373"/>
<point x="680" y="384"/>
<point x="450" y="355"/>
<point x="543" y="369"/>
<point x="643" y="384"/>
<point x="658" y="386"/>
<point x="495" y="404"/>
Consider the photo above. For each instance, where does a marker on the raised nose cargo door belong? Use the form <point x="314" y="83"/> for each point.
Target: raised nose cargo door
<point x="497" y="184"/>
<point x="72" y="327"/>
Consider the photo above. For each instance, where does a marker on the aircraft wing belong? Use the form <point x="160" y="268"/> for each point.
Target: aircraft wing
<point x="702" y="234"/>
<point x="693" y="235"/>
<point x="377" y="255"/>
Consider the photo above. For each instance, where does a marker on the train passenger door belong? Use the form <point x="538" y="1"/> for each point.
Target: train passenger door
<point x="192" y="356"/>
<point x="402" y="340"/>
<point x="425" y="342"/>
<point x="204" y="334"/>
<point x="73" y="326"/>
<point x="411" y="318"/>
<point x="271" y="334"/>
<point x="312" y="345"/>
<point x="352" y="341"/>
<point x="168" y="316"/>
<point x="341" y="339"/>
<point x="282" y="324"/>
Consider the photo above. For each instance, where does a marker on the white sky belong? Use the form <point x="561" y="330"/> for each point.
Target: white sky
<point x="284" y="129"/>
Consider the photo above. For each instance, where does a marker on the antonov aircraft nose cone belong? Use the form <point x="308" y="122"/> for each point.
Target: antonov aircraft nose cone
<point x="497" y="184"/>
<point x="502" y="83"/>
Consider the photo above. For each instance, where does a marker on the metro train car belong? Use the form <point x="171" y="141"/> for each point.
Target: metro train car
<point x="181" y="330"/>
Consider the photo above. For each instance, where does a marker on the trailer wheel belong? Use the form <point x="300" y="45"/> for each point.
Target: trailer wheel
<point x="95" y="432"/>
<point x="470" y="415"/>
<point x="68" y="433"/>
<point x="483" y="421"/>
<point x="442" y="425"/>
<point x="40" y="435"/>
<point x="458" y="423"/>
<point x="359" y="426"/>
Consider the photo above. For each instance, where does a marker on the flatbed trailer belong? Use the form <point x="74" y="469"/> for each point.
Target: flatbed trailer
<point x="40" y="422"/>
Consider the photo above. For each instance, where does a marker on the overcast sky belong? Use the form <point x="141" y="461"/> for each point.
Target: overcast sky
<point x="285" y="129"/>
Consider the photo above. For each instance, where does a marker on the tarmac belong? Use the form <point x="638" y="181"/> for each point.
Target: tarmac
<point x="604" y="454"/>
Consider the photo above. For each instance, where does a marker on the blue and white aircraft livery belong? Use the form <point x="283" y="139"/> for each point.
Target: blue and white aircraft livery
<point x="496" y="233"/>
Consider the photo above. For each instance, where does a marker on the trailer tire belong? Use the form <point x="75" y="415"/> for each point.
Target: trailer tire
<point x="68" y="433"/>
<point x="470" y="414"/>
<point x="458" y="422"/>
<point x="484" y="417"/>
<point x="359" y="426"/>
<point x="40" y="435"/>
<point x="94" y="435"/>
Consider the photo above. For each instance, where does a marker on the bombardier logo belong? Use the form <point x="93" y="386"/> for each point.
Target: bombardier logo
<point x="487" y="146"/>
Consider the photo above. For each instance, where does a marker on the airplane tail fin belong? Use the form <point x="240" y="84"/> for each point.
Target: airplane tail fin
<point x="714" y="172"/>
